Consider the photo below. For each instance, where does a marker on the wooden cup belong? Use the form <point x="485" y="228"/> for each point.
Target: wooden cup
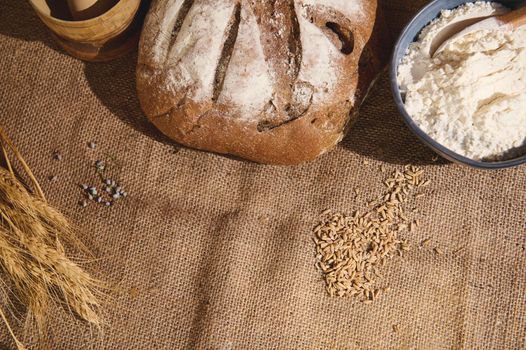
<point x="105" y="37"/>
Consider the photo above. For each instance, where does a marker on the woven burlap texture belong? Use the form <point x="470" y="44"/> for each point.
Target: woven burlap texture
<point x="210" y="252"/>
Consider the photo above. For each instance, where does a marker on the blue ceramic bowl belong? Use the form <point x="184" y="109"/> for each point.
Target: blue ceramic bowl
<point x="409" y="34"/>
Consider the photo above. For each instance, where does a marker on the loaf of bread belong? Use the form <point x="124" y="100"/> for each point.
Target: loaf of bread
<point x="273" y="81"/>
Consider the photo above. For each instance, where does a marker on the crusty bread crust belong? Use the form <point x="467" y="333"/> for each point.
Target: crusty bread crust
<point x="273" y="81"/>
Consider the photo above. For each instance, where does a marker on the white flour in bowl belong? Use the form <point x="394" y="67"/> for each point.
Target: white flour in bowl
<point x="471" y="97"/>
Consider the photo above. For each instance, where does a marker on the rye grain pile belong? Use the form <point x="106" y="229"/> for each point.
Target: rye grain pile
<point x="350" y="250"/>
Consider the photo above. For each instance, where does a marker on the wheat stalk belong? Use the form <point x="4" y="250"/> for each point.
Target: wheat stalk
<point x="32" y="255"/>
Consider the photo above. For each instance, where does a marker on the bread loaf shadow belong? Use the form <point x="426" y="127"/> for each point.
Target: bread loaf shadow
<point x="114" y="85"/>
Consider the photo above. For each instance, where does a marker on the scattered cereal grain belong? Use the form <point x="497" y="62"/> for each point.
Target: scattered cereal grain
<point x="351" y="249"/>
<point x="425" y="242"/>
<point x="325" y="212"/>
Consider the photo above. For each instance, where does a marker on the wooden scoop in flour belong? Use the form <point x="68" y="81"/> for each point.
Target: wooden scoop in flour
<point x="86" y="9"/>
<point x="507" y="21"/>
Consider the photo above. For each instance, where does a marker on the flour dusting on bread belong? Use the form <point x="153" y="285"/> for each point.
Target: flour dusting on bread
<point x="248" y="83"/>
<point x="199" y="44"/>
<point x="320" y="71"/>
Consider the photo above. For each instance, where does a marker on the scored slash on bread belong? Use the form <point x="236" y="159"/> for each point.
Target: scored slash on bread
<point x="273" y="81"/>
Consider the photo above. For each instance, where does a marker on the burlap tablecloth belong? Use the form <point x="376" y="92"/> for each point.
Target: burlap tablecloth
<point x="216" y="253"/>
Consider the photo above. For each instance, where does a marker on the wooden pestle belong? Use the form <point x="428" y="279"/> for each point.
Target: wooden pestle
<point x="85" y="9"/>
